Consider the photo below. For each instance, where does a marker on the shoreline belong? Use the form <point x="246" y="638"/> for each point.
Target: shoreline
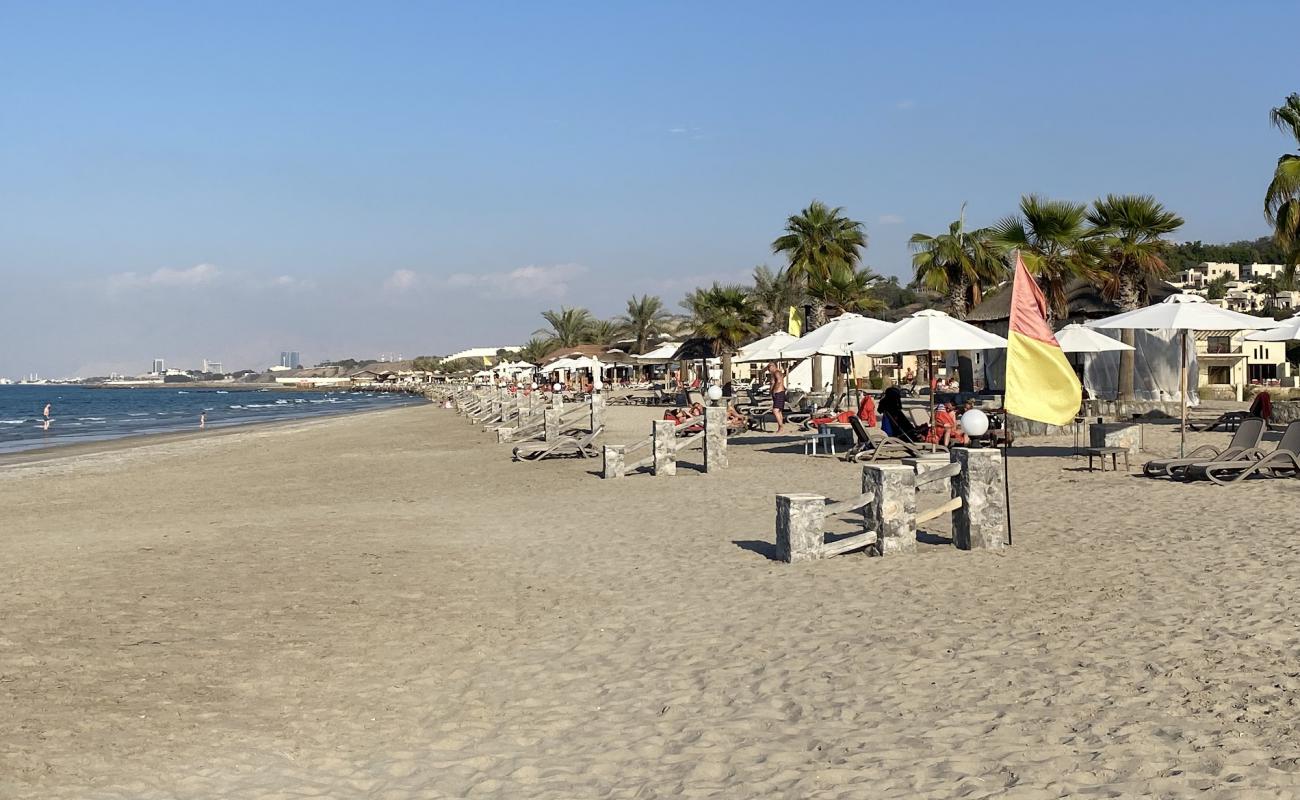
<point x="139" y="440"/>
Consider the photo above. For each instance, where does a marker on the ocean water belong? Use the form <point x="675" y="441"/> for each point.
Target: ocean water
<point x="87" y="414"/>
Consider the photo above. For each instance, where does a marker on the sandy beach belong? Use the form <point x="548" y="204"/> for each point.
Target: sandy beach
<point x="385" y="606"/>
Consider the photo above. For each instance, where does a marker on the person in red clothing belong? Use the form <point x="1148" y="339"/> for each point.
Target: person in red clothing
<point x="867" y="411"/>
<point x="945" y="430"/>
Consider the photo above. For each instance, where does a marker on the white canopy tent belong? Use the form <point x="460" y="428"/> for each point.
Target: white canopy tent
<point x="1183" y="313"/>
<point x="662" y="354"/>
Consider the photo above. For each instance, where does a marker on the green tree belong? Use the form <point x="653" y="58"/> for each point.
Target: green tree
<point x="536" y="349"/>
<point x="726" y="316"/>
<point x="1128" y="239"/>
<point x="604" y="332"/>
<point x="569" y="326"/>
<point x="816" y="242"/>
<point x="426" y="363"/>
<point x="1051" y="236"/>
<point x="846" y="288"/>
<point x="1217" y="289"/>
<point x="959" y="265"/>
<point x="775" y="293"/>
<point x="1282" y="198"/>
<point x="645" y="319"/>
<point x="1269" y="286"/>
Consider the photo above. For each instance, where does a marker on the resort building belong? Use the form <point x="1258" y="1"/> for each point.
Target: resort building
<point x="1228" y="361"/>
<point x="484" y="354"/>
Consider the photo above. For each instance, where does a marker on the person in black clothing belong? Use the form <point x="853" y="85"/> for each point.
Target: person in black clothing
<point x="891" y="409"/>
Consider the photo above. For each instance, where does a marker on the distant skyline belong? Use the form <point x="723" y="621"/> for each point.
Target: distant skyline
<point x="219" y="182"/>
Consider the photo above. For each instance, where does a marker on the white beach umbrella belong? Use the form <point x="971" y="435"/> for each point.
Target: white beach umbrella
<point x="929" y="330"/>
<point x="1079" y="339"/>
<point x="1287" y="331"/>
<point x="1184" y="312"/>
<point x="662" y="354"/>
<point x="837" y="337"/>
<point x="926" y="331"/>
<point x="560" y="364"/>
<point x="766" y="349"/>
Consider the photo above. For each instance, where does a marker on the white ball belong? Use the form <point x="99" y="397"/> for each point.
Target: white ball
<point x="533" y="385"/>
<point x="557" y="387"/>
<point x="975" y="422"/>
<point x="715" y="393"/>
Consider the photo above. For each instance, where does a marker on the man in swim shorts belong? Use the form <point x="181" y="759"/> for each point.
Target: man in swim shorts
<point x="777" y="379"/>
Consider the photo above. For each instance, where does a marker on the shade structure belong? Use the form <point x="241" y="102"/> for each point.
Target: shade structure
<point x="766" y="349"/>
<point x="1184" y="312"/>
<point x="1079" y="339"/>
<point x="559" y="364"/>
<point x="1287" y="331"/>
<point x="929" y="330"/>
<point x="661" y="354"/>
<point x="837" y="337"/>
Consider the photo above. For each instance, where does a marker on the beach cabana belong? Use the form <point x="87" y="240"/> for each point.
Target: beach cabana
<point x="1183" y="313"/>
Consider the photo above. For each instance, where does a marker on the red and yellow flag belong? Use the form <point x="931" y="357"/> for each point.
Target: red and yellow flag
<point x="1041" y="384"/>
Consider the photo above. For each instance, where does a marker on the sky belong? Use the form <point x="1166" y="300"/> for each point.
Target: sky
<point x="229" y="180"/>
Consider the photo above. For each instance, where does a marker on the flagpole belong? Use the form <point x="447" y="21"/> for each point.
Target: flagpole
<point x="1006" y="473"/>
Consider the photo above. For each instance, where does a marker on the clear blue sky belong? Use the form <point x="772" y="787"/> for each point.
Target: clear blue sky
<point x="228" y="180"/>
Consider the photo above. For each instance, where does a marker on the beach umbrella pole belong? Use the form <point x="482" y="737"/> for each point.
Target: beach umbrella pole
<point x="1182" y="392"/>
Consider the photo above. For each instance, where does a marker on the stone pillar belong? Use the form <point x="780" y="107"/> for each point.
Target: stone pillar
<point x="551" y="424"/>
<point x="715" y="439"/>
<point x="597" y="411"/>
<point x="800" y="526"/>
<point x="892" y="512"/>
<point x="615" y="462"/>
<point x="981" y="522"/>
<point x="664" y="434"/>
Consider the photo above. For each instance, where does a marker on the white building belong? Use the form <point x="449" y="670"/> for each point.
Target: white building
<point x="481" y="353"/>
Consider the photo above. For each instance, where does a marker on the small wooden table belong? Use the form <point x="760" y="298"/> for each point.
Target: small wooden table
<point x="1102" y="452"/>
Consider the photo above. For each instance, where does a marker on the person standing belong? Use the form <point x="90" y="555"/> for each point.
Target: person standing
<point x="47" y="412"/>
<point x="203" y="420"/>
<point x="777" y="379"/>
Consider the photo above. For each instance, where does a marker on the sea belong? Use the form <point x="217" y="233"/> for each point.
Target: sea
<point x="89" y="414"/>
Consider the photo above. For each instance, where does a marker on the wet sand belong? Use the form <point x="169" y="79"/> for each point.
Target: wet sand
<point x="384" y="606"/>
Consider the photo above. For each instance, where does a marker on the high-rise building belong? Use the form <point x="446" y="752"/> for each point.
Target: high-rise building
<point x="159" y="367"/>
<point x="290" y="359"/>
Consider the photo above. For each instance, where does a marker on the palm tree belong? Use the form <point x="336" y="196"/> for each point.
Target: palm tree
<point x="819" y="237"/>
<point x="1282" y="199"/>
<point x="646" y="319"/>
<point x="536" y="349"/>
<point x="816" y="241"/>
<point x="569" y="326"/>
<point x="1126" y="237"/>
<point x="775" y="293"/>
<point x="1051" y="236"/>
<point x="959" y="265"/>
<point x="1269" y="286"/>
<point x="726" y="316"/>
<point x="846" y="288"/>
<point x="603" y="332"/>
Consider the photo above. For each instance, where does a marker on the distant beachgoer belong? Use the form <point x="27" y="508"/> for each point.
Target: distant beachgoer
<point x="777" y="378"/>
<point x="203" y="420"/>
<point x="46" y="425"/>
<point x="867" y="411"/>
<point x="1262" y="406"/>
<point x="47" y="410"/>
<point x="892" y="417"/>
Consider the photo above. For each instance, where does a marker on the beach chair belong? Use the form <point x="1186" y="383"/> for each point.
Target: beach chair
<point x="873" y="443"/>
<point x="562" y="447"/>
<point x="1246" y="437"/>
<point x="1282" y="462"/>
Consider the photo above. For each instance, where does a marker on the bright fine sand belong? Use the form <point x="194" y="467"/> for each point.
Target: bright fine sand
<point x="384" y="606"/>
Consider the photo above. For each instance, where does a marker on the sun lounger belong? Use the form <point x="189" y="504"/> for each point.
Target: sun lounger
<point x="1247" y="437"/>
<point x="1282" y="462"/>
<point x="562" y="447"/>
<point x="873" y="443"/>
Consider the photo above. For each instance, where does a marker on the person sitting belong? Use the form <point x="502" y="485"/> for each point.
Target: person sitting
<point x="893" y="419"/>
<point x="867" y="411"/>
<point x="1262" y="406"/>
<point x="736" y="421"/>
<point x="945" y="430"/>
